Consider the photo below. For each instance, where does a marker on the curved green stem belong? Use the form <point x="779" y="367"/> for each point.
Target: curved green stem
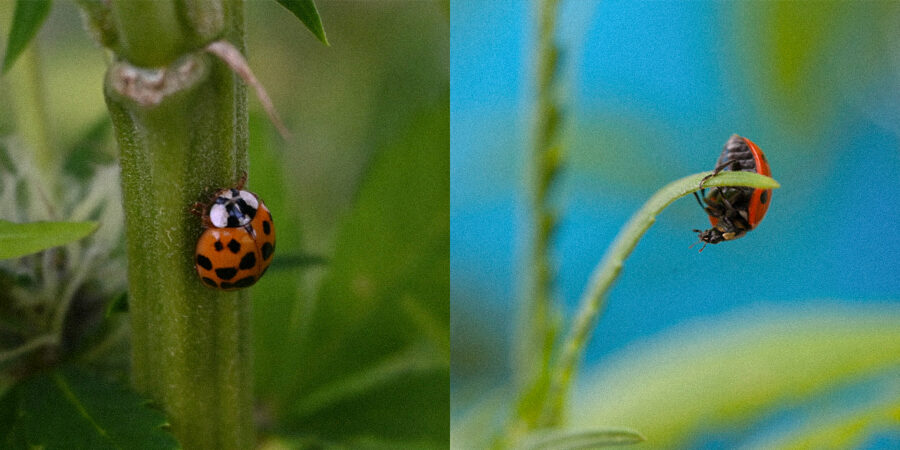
<point x="607" y="271"/>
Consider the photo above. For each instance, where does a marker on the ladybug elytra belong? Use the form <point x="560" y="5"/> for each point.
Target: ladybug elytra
<point x="238" y="239"/>
<point x="733" y="211"/>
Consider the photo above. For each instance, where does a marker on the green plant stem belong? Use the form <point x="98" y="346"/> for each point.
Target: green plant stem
<point x="150" y="34"/>
<point x="537" y="327"/>
<point x="182" y="133"/>
<point x="607" y="271"/>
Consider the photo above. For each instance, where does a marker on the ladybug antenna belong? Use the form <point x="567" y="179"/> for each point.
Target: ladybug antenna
<point x="699" y="240"/>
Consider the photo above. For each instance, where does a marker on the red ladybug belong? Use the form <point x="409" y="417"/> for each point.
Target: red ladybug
<point x="733" y="211"/>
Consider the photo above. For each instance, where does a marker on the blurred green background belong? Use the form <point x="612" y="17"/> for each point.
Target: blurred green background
<point x="351" y="338"/>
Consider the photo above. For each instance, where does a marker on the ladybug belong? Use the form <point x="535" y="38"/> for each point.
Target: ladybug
<point x="733" y="211"/>
<point x="238" y="239"/>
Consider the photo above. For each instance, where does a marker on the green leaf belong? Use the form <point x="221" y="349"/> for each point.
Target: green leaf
<point x="374" y="359"/>
<point x="306" y="11"/>
<point x="27" y="20"/>
<point x="734" y="370"/>
<point x="19" y="239"/>
<point x="578" y="439"/>
<point x="67" y="409"/>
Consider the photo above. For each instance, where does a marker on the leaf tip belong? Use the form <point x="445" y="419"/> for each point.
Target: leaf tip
<point x="306" y="11"/>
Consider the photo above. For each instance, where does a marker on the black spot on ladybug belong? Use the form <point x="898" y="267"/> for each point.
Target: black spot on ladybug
<point x="267" y="228"/>
<point x="242" y="283"/>
<point x="204" y="262"/>
<point x="234" y="246"/>
<point x="226" y="273"/>
<point x="248" y="261"/>
<point x="209" y="282"/>
<point x="218" y="245"/>
<point x="764" y="197"/>
<point x="267" y="250"/>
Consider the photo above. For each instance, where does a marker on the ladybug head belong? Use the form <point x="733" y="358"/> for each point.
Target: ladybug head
<point x="716" y="234"/>
<point x="710" y="236"/>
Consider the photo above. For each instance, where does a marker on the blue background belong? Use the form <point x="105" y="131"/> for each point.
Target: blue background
<point x="651" y="92"/>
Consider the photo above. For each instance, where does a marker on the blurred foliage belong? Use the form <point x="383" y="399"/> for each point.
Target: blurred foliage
<point x="735" y="370"/>
<point x="858" y="427"/>
<point x="355" y="351"/>
<point x="29" y="15"/>
<point x="815" y="58"/>
<point x="575" y="439"/>
<point x="369" y="357"/>
<point x="68" y="408"/>
<point x="20" y="239"/>
<point x="720" y="380"/>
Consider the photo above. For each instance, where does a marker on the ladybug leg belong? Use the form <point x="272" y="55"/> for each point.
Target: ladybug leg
<point x="724" y="165"/>
<point x="699" y="201"/>
<point x="718" y="169"/>
<point x="242" y="181"/>
<point x="730" y="211"/>
<point x="198" y="209"/>
<point x="728" y="206"/>
<point x="710" y="208"/>
<point x="733" y="217"/>
<point x="703" y="203"/>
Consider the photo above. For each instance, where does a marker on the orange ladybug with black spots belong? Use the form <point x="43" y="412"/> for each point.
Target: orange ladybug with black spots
<point x="238" y="241"/>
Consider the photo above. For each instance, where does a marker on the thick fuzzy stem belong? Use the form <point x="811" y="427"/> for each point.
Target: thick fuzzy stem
<point x="182" y="133"/>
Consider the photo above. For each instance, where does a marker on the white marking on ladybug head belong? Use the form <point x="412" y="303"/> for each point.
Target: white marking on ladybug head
<point x="249" y="199"/>
<point x="218" y="215"/>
